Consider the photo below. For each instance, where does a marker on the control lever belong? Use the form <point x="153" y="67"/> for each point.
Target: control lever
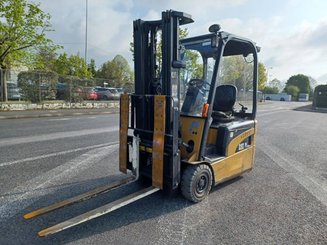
<point x="243" y="109"/>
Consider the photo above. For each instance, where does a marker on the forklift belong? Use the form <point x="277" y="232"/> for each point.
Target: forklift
<point x="190" y="123"/>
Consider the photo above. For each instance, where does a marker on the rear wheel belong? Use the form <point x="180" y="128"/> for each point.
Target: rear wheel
<point x="196" y="182"/>
<point x="105" y="97"/>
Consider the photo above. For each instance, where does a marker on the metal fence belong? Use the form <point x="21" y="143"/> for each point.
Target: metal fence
<point x="38" y="86"/>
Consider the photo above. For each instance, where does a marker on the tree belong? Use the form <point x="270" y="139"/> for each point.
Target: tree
<point x="183" y="33"/>
<point x="236" y="71"/>
<point x="276" y="83"/>
<point x="301" y="81"/>
<point x="117" y="70"/>
<point x="23" y="25"/>
<point x="292" y="90"/>
<point x="270" y="90"/>
<point x="313" y="82"/>
<point x="91" y="67"/>
<point x="262" y="76"/>
<point x="44" y="59"/>
<point x="74" y="65"/>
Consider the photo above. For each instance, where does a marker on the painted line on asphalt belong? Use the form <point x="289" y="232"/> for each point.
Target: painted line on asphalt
<point x="60" y="119"/>
<point x="55" y="136"/>
<point x="308" y="178"/>
<point x="57" y="154"/>
<point x="24" y="195"/>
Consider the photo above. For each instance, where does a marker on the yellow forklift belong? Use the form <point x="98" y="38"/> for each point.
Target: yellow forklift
<point x="190" y="123"/>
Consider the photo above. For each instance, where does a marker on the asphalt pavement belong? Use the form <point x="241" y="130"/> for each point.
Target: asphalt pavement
<point x="282" y="201"/>
<point x="19" y="114"/>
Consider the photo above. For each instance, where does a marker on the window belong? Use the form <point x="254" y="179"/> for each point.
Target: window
<point x="238" y="70"/>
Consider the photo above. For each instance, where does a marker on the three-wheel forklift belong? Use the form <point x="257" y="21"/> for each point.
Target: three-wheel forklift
<point x="190" y="123"/>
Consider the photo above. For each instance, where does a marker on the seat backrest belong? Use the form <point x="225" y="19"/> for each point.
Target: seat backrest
<point x="225" y="98"/>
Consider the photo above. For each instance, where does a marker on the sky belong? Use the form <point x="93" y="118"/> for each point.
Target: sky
<point x="292" y="34"/>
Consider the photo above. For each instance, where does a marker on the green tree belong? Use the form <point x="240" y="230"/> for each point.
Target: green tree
<point x="262" y="76"/>
<point x="270" y="90"/>
<point x="44" y="59"/>
<point x="194" y="67"/>
<point x="183" y="33"/>
<point x="236" y="71"/>
<point x="74" y="65"/>
<point x="292" y="90"/>
<point x="23" y="25"/>
<point x="301" y="81"/>
<point x="276" y="83"/>
<point x="91" y="67"/>
<point x="78" y="67"/>
<point x="61" y="65"/>
<point x="116" y="70"/>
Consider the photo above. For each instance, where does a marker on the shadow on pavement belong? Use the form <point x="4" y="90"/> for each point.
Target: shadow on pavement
<point x="308" y="108"/>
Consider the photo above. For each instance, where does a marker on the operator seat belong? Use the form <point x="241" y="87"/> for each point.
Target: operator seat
<point x="223" y="106"/>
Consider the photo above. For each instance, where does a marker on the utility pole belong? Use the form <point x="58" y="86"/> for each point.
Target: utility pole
<point x="86" y="12"/>
<point x="268" y="74"/>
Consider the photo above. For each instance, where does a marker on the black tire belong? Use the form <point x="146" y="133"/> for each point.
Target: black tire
<point x="105" y="97"/>
<point x="196" y="182"/>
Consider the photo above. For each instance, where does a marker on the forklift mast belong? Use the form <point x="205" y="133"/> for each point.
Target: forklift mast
<point x="151" y="81"/>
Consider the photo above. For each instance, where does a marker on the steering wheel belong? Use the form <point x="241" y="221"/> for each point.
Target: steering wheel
<point x="220" y="114"/>
<point x="196" y="82"/>
<point x="199" y="83"/>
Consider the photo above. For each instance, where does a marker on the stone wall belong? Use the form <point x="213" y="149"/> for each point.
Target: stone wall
<point x="59" y="105"/>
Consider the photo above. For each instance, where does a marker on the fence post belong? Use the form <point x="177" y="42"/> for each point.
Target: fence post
<point x="1" y="85"/>
<point x="4" y="94"/>
<point x="39" y="87"/>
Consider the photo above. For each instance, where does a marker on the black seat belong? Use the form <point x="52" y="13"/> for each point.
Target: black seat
<point x="224" y="103"/>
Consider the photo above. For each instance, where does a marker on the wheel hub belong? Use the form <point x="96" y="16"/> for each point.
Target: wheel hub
<point x="202" y="183"/>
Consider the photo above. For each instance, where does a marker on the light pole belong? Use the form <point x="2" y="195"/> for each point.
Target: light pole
<point x="86" y="12"/>
<point x="269" y="68"/>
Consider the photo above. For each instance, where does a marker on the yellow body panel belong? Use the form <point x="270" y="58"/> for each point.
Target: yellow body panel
<point x="233" y="165"/>
<point x="191" y="129"/>
<point x="212" y="136"/>
<point x="123" y="130"/>
<point x="158" y="140"/>
<point x="232" y="146"/>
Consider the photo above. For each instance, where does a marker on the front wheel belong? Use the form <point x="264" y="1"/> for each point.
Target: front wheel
<point x="196" y="182"/>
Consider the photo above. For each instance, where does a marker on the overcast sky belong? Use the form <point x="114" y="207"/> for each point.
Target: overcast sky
<point x="292" y="33"/>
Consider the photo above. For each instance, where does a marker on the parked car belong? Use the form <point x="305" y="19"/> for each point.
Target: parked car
<point x="115" y="92"/>
<point x="61" y="88"/>
<point x="106" y="93"/>
<point x="120" y="90"/>
<point x="89" y="93"/>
